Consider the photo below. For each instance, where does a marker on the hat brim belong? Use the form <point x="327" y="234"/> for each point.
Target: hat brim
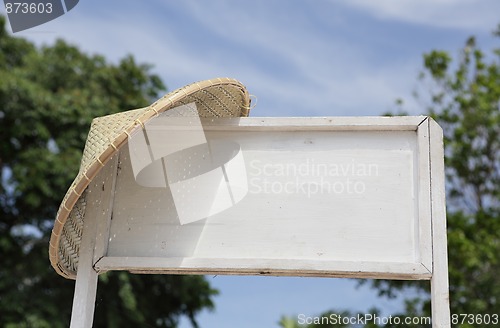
<point x="222" y="97"/>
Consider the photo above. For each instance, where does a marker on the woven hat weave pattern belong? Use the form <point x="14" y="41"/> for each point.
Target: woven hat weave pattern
<point x="222" y="97"/>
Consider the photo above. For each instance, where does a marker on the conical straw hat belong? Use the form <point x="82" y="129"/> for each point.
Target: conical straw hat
<point x="222" y="97"/>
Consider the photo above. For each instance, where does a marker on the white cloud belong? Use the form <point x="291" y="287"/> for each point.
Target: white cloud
<point x="460" y="14"/>
<point x="117" y="36"/>
<point x="327" y="76"/>
<point x="292" y="66"/>
<point x="371" y="92"/>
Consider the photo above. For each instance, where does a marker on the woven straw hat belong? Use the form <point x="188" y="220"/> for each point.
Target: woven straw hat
<point x="222" y="97"/>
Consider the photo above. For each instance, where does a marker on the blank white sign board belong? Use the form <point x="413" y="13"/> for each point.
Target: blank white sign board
<point x="335" y="197"/>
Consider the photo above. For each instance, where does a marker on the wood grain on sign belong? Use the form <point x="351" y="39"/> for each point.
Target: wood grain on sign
<point x="321" y="196"/>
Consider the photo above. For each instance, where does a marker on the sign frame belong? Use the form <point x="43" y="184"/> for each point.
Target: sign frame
<point x="432" y="222"/>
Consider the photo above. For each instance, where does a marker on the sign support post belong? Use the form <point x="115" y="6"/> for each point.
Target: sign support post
<point x="440" y="302"/>
<point x="94" y="240"/>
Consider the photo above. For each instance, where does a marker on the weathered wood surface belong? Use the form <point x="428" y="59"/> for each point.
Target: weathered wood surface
<point x="440" y="302"/>
<point x="97" y="214"/>
<point x="324" y="193"/>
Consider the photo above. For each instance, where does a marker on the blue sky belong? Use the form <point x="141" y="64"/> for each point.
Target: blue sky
<point x="299" y="58"/>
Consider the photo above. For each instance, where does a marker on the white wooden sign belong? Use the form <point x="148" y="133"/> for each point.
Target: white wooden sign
<point x="355" y="197"/>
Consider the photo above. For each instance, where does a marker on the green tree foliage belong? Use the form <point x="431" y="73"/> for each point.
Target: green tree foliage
<point x="48" y="96"/>
<point x="464" y="98"/>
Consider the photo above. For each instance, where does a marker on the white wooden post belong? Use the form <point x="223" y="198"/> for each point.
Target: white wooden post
<point x="97" y="213"/>
<point x="439" y="282"/>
